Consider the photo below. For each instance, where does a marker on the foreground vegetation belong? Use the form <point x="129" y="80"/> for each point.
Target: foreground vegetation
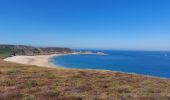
<point x="37" y="83"/>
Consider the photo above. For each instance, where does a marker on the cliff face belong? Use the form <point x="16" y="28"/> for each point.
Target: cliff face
<point x="29" y="50"/>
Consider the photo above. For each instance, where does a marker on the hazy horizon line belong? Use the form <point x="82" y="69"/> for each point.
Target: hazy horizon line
<point x="89" y="48"/>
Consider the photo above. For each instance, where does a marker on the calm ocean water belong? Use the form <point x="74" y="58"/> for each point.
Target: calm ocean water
<point x="140" y="62"/>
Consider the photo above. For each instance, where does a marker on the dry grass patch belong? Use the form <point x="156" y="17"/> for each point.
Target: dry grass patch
<point x="19" y="81"/>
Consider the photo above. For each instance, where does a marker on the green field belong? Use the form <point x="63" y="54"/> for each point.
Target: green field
<point x="5" y="52"/>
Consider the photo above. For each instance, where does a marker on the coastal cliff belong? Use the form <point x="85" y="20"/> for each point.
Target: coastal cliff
<point x="13" y="50"/>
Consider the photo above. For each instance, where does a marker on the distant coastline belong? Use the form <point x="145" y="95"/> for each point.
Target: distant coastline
<point x="90" y="52"/>
<point x="44" y="60"/>
<point x="25" y="50"/>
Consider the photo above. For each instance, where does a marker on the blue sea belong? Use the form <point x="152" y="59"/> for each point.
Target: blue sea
<point x="153" y="63"/>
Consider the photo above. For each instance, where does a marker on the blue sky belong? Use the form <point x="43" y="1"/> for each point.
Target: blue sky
<point x="104" y="24"/>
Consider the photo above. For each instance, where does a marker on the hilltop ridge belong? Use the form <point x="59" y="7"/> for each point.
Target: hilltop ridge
<point x="13" y="50"/>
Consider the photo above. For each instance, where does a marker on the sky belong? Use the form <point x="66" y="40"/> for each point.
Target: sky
<point x="99" y="24"/>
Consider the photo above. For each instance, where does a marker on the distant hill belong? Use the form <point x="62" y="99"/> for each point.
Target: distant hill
<point x="13" y="50"/>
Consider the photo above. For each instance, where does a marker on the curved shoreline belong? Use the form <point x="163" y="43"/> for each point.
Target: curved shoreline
<point x="46" y="61"/>
<point x="133" y="73"/>
<point x="39" y="60"/>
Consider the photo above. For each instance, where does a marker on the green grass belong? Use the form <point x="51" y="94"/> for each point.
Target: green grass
<point x="5" y="52"/>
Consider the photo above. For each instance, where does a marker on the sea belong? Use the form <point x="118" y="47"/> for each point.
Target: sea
<point x="152" y="63"/>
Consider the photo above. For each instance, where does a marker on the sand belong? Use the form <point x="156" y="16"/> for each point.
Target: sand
<point x="40" y="60"/>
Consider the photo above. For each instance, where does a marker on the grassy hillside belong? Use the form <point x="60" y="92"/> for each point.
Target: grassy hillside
<point x="4" y="52"/>
<point x="36" y="83"/>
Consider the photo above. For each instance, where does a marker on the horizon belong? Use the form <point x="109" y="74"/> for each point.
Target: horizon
<point x="107" y="49"/>
<point x="87" y="24"/>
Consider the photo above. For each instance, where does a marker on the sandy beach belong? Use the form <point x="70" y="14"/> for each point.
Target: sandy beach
<point x="39" y="60"/>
